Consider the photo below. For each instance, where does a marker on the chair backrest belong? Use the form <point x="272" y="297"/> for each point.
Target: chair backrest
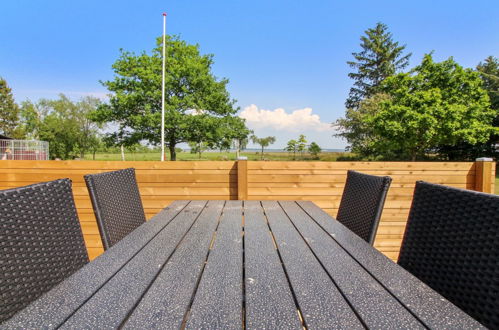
<point x="362" y="203"/>
<point x="41" y="242"/>
<point x="451" y="243"/>
<point x="117" y="205"/>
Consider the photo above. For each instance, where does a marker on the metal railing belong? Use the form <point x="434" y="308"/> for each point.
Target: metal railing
<point x="24" y="150"/>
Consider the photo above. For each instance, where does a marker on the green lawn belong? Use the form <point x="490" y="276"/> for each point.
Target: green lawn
<point x="283" y="156"/>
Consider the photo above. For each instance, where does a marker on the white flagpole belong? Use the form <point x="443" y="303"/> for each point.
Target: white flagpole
<point x="163" y="93"/>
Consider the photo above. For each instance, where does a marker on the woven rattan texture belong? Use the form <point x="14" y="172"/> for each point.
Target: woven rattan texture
<point x="362" y="203"/>
<point x="117" y="205"/>
<point x="452" y="244"/>
<point x="41" y="242"/>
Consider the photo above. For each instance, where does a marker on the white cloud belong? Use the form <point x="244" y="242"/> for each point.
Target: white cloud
<point x="278" y="119"/>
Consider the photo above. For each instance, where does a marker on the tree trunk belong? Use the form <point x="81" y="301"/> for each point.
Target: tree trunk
<point x="262" y="154"/>
<point x="122" y="153"/>
<point x="93" y="156"/>
<point x="413" y="156"/>
<point x="173" y="153"/>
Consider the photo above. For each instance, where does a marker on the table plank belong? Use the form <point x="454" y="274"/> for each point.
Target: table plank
<point x="166" y="275"/>
<point x="350" y="276"/>
<point x="219" y="299"/>
<point x="166" y="303"/>
<point x="269" y="301"/>
<point x="321" y="304"/>
<point x="52" y="309"/>
<point x="126" y="288"/>
<point x="428" y="306"/>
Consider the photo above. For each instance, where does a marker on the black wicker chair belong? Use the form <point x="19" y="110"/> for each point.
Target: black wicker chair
<point x="117" y="205"/>
<point x="362" y="203"/>
<point x="451" y="243"/>
<point x="41" y="242"/>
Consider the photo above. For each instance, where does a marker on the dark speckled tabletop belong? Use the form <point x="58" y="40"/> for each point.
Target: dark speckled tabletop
<point x="242" y="264"/>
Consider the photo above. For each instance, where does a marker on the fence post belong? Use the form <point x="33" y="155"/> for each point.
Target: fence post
<point x="484" y="174"/>
<point x="242" y="179"/>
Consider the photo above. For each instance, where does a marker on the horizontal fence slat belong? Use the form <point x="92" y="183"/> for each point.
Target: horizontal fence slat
<point x="337" y="178"/>
<point x="373" y="172"/>
<point x="341" y="185"/>
<point x="42" y="176"/>
<point x="362" y="165"/>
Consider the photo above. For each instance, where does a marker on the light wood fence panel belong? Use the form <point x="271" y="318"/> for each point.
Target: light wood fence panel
<point x="160" y="183"/>
<point x="321" y="182"/>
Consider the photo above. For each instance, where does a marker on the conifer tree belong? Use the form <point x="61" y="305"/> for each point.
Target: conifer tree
<point x="9" y="112"/>
<point x="379" y="58"/>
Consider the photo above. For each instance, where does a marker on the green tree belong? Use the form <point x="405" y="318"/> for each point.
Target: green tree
<point x="66" y="126"/>
<point x="135" y="102"/>
<point x="9" y="112"/>
<point x="379" y="58"/>
<point x="263" y="142"/>
<point x="233" y="132"/>
<point x="314" y="149"/>
<point x="301" y="145"/>
<point x="240" y="142"/>
<point x="489" y="72"/>
<point x="356" y="129"/>
<point x="292" y="147"/>
<point x="198" y="148"/>
<point x="436" y="104"/>
<point x="88" y="129"/>
<point x="96" y="145"/>
<point x="30" y="120"/>
<point x="59" y="127"/>
<point x="204" y="133"/>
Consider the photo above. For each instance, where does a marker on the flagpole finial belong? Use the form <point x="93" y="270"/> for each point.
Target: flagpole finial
<point x="164" y="14"/>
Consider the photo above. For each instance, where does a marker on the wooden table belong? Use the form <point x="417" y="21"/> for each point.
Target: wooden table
<point x="191" y="266"/>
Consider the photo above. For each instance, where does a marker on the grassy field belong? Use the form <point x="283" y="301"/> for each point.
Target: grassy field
<point x="283" y="156"/>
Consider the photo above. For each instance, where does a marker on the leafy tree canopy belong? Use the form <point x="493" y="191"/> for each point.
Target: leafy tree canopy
<point x="135" y="102"/>
<point x="355" y="128"/>
<point x="489" y="72"/>
<point x="9" y="112"/>
<point x="232" y="131"/>
<point x="301" y="144"/>
<point x="198" y="148"/>
<point x="314" y="149"/>
<point x="379" y="58"/>
<point x="65" y="124"/>
<point x="436" y="104"/>
<point x="263" y="142"/>
<point x="292" y="146"/>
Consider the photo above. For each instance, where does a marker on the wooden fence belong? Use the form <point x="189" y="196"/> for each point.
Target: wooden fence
<point x="321" y="182"/>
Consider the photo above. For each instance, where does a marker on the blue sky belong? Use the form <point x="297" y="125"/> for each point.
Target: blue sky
<point x="286" y="60"/>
